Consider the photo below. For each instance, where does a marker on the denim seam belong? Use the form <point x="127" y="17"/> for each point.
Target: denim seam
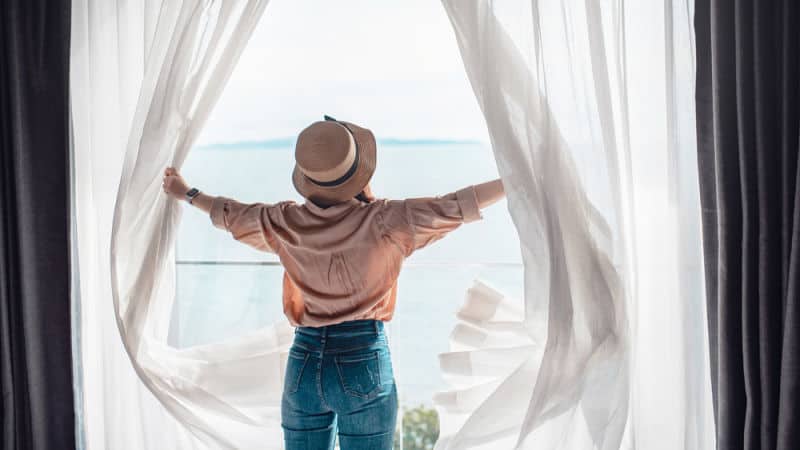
<point x="380" y="378"/>
<point x="298" y="344"/>
<point x="296" y="381"/>
<point x="295" y="356"/>
<point x="335" y="350"/>
<point x="319" y="374"/>
<point x="368" y="435"/>
<point x="355" y="358"/>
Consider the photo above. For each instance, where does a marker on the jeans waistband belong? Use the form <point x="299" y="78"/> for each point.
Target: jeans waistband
<point x="347" y="328"/>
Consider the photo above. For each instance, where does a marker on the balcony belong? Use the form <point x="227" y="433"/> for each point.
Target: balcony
<point x="220" y="299"/>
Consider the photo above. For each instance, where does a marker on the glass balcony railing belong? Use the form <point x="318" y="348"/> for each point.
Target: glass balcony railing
<point x="220" y="299"/>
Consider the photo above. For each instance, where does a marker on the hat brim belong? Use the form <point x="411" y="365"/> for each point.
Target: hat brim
<point x="353" y="185"/>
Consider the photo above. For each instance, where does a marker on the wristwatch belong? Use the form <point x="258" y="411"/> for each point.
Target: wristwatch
<point x="191" y="194"/>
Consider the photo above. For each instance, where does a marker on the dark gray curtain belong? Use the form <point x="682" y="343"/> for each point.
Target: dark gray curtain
<point x="35" y="348"/>
<point x="748" y="98"/>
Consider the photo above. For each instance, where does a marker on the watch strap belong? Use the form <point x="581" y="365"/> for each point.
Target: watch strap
<point x="191" y="194"/>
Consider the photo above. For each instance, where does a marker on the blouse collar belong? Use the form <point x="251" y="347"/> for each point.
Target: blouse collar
<point x="333" y="209"/>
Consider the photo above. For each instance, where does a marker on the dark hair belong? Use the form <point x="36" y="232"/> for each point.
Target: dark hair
<point x="360" y="196"/>
<point x="363" y="197"/>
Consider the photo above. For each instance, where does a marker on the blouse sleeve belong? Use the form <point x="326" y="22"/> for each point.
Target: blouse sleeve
<point x="249" y="223"/>
<point x="417" y="222"/>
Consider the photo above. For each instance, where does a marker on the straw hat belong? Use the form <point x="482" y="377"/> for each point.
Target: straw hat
<point x="334" y="160"/>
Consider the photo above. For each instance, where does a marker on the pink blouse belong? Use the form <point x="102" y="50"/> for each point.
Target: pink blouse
<point x="342" y="262"/>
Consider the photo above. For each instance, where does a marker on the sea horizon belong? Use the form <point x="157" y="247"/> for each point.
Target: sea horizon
<point x="281" y="143"/>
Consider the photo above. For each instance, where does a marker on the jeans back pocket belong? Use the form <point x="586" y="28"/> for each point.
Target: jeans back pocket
<point x="294" y="370"/>
<point x="359" y="374"/>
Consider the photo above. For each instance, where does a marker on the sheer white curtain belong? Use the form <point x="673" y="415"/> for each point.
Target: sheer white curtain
<point x="145" y="75"/>
<point x="590" y="111"/>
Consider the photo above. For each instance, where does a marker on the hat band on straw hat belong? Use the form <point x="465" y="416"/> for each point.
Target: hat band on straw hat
<point x="350" y="171"/>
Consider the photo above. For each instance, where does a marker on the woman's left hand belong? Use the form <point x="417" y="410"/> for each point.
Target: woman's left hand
<point x="174" y="183"/>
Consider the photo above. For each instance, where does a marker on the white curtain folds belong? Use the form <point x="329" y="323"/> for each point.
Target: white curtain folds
<point x="590" y="110"/>
<point x="145" y="75"/>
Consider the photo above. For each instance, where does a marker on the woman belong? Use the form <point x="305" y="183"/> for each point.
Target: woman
<point x="342" y="250"/>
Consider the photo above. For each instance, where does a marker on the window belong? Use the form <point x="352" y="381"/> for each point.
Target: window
<point x="311" y="58"/>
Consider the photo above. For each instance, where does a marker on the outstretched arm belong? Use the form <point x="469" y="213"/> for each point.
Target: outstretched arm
<point x="249" y="223"/>
<point x="176" y="186"/>
<point x="489" y="192"/>
<point x="203" y="201"/>
<point x="417" y="222"/>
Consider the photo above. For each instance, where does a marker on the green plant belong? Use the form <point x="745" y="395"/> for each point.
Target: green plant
<point x="420" y="429"/>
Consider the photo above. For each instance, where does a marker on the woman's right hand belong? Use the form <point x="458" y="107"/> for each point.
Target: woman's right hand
<point x="174" y="184"/>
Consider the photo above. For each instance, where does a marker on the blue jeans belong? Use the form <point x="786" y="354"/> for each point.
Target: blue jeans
<point x="339" y="378"/>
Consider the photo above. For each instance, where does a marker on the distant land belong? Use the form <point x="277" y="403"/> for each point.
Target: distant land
<point x="282" y="143"/>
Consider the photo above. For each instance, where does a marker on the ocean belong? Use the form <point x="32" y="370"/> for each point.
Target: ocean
<point x="220" y="301"/>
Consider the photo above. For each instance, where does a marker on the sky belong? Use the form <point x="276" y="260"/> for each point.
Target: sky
<point x="391" y="66"/>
